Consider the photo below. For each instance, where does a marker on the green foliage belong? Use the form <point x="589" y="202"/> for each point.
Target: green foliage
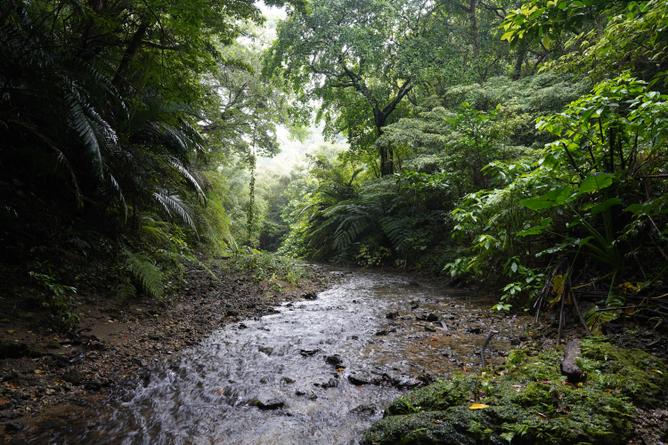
<point x="529" y="400"/>
<point x="268" y="267"/>
<point x="146" y="273"/>
<point x="59" y="300"/>
<point x="129" y="126"/>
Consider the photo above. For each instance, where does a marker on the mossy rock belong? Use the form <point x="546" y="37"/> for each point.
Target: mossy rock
<point x="436" y="397"/>
<point x="529" y="401"/>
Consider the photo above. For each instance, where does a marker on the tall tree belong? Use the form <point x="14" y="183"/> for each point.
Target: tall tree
<point x="358" y="59"/>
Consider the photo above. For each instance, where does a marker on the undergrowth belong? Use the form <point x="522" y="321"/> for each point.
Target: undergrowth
<point x="269" y="267"/>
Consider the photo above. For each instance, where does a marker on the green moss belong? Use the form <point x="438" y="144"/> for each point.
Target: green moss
<point x="529" y="401"/>
<point x="436" y="397"/>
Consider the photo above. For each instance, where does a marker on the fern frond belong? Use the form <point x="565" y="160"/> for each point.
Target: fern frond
<point x="117" y="188"/>
<point x="189" y="176"/>
<point x="174" y="204"/>
<point x="145" y="272"/>
<point x="81" y="124"/>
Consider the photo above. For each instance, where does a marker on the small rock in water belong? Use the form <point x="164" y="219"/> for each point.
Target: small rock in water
<point x="402" y="381"/>
<point x="287" y="380"/>
<point x="335" y="360"/>
<point x="364" y="410"/>
<point x="359" y="378"/>
<point x="268" y="404"/>
<point x="474" y="330"/>
<point x="309" y="296"/>
<point x="266" y="349"/>
<point x="308" y="352"/>
<point x="392" y="315"/>
<point x="333" y="382"/>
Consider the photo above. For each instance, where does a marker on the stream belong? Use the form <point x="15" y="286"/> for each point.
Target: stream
<point x="313" y="372"/>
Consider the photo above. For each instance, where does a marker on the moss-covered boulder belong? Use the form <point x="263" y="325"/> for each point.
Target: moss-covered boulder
<point x="529" y="401"/>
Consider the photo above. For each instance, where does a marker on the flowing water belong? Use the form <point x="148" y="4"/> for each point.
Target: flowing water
<point x="314" y="372"/>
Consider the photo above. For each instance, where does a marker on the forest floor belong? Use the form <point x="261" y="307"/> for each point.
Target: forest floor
<point x="43" y="370"/>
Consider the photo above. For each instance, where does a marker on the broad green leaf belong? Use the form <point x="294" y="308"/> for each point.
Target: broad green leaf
<point x="551" y="199"/>
<point x="537" y="229"/>
<point x="596" y="182"/>
<point x="595" y="209"/>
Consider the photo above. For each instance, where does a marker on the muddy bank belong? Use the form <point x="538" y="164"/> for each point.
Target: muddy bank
<point x="44" y="373"/>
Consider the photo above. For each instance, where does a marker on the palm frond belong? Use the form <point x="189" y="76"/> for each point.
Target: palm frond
<point x="79" y="121"/>
<point x="172" y="203"/>
<point x="189" y="176"/>
<point x="119" y="192"/>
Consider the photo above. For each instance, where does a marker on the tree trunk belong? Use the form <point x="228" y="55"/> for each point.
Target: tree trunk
<point x="473" y="20"/>
<point x="386" y="152"/>
<point x="519" y="59"/>
<point x="130" y="51"/>
<point x="386" y="161"/>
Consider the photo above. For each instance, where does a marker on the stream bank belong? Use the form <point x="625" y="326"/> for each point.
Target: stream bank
<point x="322" y="368"/>
<point x="319" y="371"/>
<point x="47" y="375"/>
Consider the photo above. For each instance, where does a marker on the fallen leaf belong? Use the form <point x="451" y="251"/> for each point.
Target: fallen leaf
<point x="478" y="406"/>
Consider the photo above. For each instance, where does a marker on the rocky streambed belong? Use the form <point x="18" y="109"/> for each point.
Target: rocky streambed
<point x="312" y="372"/>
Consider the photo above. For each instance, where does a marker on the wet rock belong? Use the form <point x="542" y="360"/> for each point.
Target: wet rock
<point x="429" y="328"/>
<point x="96" y="384"/>
<point x="392" y="315"/>
<point x="74" y="377"/>
<point x="364" y="410"/>
<point x="308" y="352"/>
<point x="266" y="349"/>
<point x="333" y="382"/>
<point x="474" y="330"/>
<point x="431" y="317"/>
<point x="414" y="304"/>
<point x="402" y="381"/>
<point x="384" y="332"/>
<point x="287" y="380"/>
<point x="310" y="395"/>
<point x="359" y="378"/>
<point x="334" y="360"/>
<point x="242" y="326"/>
<point x="309" y="296"/>
<point x="267" y="404"/>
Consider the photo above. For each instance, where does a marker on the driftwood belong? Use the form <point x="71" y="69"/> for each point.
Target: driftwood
<point x="569" y="366"/>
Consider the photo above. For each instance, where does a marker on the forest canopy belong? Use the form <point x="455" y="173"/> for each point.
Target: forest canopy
<point x="521" y="145"/>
